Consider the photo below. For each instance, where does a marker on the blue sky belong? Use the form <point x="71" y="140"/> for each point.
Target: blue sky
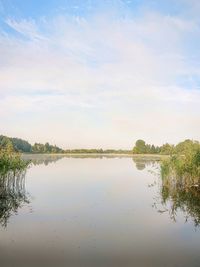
<point x="100" y="73"/>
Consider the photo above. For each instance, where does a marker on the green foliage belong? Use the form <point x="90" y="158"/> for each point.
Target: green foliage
<point x="20" y="145"/>
<point x="186" y="147"/>
<point x="184" y="167"/>
<point x="11" y="161"/>
<point x="167" y="149"/>
<point x="142" y="148"/>
<point x="16" y="144"/>
<point x="97" y="151"/>
<point x="181" y="180"/>
<point x="6" y="143"/>
<point x="47" y="148"/>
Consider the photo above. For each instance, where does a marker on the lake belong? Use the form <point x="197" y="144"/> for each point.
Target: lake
<point x="96" y="211"/>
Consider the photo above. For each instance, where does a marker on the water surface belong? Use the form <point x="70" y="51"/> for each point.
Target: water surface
<point x="100" y="211"/>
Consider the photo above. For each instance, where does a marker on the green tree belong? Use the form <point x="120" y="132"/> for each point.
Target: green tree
<point x="153" y="149"/>
<point x="186" y="146"/>
<point x="167" y="149"/>
<point x="140" y="147"/>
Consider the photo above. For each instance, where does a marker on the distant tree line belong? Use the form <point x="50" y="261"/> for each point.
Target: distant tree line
<point x="15" y="144"/>
<point x="97" y="151"/>
<point x="166" y="149"/>
<point x="20" y="145"/>
<point x="141" y="147"/>
<point x="46" y="148"/>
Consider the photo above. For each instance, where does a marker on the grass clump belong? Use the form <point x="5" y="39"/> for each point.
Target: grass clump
<point x="183" y="169"/>
<point x="181" y="183"/>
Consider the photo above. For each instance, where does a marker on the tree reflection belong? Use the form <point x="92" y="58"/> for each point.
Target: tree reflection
<point x="38" y="159"/>
<point x="141" y="163"/>
<point x="12" y="195"/>
<point x="46" y="159"/>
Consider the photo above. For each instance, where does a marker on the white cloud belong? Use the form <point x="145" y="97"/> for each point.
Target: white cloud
<point x="112" y="80"/>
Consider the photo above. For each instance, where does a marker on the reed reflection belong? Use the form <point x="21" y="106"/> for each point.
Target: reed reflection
<point x="13" y="195"/>
<point x="179" y="197"/>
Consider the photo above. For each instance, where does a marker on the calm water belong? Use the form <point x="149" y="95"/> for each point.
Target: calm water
<point x="95" y="212"/>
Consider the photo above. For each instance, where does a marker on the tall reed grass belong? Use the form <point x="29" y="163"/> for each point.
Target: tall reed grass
<point x="182" y="170"/>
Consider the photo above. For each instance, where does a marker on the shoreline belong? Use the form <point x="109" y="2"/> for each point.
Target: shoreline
<point x="138" y="156"/>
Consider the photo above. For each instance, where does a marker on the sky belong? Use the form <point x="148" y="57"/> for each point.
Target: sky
<point x="100" y="74"/>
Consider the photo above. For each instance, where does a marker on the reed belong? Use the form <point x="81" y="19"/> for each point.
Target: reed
<point x="11" y="161"/>
<point x="181" y="184"/>
<point x="182" y="170"/>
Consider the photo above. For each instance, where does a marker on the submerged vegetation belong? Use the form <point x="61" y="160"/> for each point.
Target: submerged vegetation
<point x="12" y="181"/>
<point x="12" y="194"/>
<point x="181" y="198"/>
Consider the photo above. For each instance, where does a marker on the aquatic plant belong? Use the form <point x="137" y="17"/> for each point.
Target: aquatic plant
<point x="182" y="199"/>
<point x="182" y="170"/>
<point x="181" y="183"/>
<point x="12" y="194"/>
<point x="11" y="161"/>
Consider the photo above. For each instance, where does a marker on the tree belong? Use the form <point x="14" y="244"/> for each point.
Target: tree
<point x="21" y="145"/>
<point x="153" y="149"/>
<point x="6" y="144"/>
<point x="140" y="147"/>
<point x="47" y="148"/>
<point x="187" y="145"/>
<point x="167" y="149"/>
<point x="18" y="144"/>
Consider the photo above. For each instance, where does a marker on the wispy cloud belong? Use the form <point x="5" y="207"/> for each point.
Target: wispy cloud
<point x="121" y="78"/>
<point x="27" y="28"/>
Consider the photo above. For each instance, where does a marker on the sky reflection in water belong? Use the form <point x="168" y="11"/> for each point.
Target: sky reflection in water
<point x="96" y="211"/>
